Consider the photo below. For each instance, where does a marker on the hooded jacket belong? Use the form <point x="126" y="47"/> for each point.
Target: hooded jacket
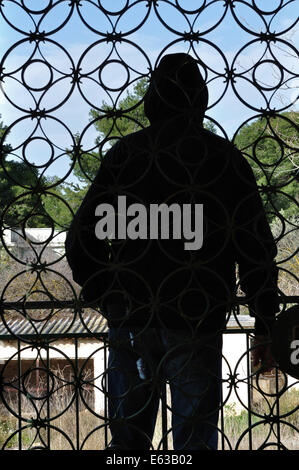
<point x="157" y="282"/>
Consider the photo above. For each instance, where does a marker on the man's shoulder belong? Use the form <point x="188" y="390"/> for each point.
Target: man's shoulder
<point x="135" y="139"/>
<point x="217" y="141"/>
<point x="148" y="138"/>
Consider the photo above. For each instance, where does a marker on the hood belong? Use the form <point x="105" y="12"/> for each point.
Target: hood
<point x="176" y="88"/>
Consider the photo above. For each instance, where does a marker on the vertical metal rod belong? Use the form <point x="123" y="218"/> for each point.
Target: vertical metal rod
<point x="37" y="374"/>
<point x="77" y="396"/>
<point x="48" y="399"/>
<point x="19" y="395"/>
<point x="277" y="407"/>
<point x="164" y="417"/>
<point x="222" y="420"/>
<point x="249" y="385"/>
<point x="105" y="342"/>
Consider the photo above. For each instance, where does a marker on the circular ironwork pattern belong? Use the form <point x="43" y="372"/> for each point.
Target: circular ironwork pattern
<point x="39" y="289"/>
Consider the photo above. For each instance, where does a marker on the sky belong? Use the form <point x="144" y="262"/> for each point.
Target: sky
<point x="75" y="44"/>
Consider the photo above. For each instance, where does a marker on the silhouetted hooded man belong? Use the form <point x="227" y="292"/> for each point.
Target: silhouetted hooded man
<point x="156" y="284"/>
<point x="176" y="160"/>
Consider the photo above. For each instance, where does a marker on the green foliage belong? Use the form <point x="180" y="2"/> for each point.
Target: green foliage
<point x="287" y="237"/>
<point x="111" y="125"/>
<point x="7" y="427"/>
<point x="9" y="440"/>
<point x="271" y="147"/>
<point x="235" y="423"/>
<point x="86" y="167"/>
<point x="132" y="120"/>
<point x="61" y="201"/>
<point x="210" y="126"/>
<point x="17" y="204"/>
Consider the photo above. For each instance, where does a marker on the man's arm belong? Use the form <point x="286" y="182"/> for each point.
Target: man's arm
<point x="255" y="254"/>
<point x="88" y="256"/>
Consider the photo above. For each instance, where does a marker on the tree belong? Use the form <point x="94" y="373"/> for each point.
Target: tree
<point x="18" y="204"/>
<point x="287" y="236"/>
<point x="271" y="147"/>
<point x="133" y="119"/>
<point x="111" y="125"/>
<point x="61" y="201"/>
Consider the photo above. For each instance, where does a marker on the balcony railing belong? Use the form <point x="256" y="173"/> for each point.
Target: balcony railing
<point x="52" y="398"/>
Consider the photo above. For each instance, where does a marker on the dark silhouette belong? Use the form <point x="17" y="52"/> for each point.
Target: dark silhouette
<point x="166" y="306"/>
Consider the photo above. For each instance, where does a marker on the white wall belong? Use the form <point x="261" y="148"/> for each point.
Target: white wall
<point x="87" y="348"/>
<point x="40" y="237"/>
<point x="235" y="362"/>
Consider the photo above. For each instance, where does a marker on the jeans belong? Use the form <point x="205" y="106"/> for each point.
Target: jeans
<point x="140" y="361"/>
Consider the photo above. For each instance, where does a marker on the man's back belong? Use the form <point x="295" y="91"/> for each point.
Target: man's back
<point x="177" y="161"/>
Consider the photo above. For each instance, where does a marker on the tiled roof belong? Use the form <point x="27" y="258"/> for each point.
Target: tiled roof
<point x="67" y="326"/>
<point x="89" y="324"/>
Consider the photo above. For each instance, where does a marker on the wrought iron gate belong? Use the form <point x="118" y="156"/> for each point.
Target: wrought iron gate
<point x="65" y="71"/>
